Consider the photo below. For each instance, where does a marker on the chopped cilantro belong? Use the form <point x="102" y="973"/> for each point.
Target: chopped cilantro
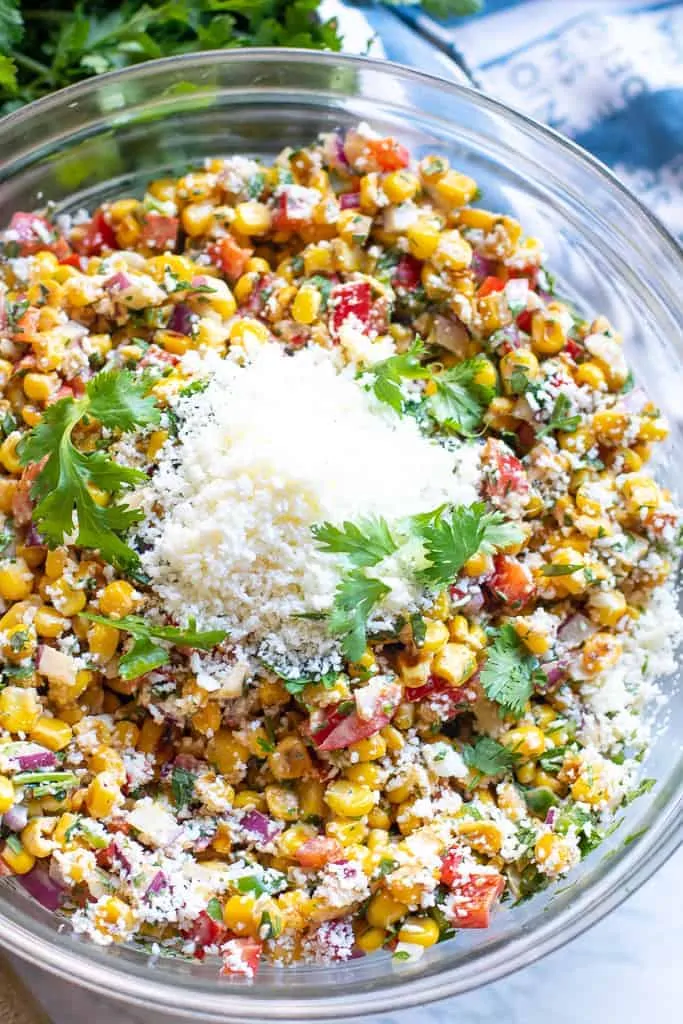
<point x="355" y="597"/>
<point x="560" y="570"/>
<point x="559" y="420"/>
<point x="450" y="541"/>
<point x="388" y="375"/>
<point x="214" y="909"/>
<point x="510" y="672"/>
<point x="488" y="757"/>
<point x="459" y="402"/>
<point x="182" y="786"/>
<point x="364" y="543"/>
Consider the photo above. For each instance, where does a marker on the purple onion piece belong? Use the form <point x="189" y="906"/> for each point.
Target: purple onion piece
<point x="43" y="888"/>
<point x="180" y="320"/>
<point x="555" y="672"/>
<point x="575" y="630"/>
<point x="158" y="883"/>
<point x="550" y="816"/>
<point x="41" y="759"/>
<point x="340" y="152"/>
<point x="16" y="818"/>
<point x="118" y="282"/>
<point x="258" y="825"/>
<point x="33" y="538"/>
<point x="482" y="267"/>
<point x="350" y="201"/>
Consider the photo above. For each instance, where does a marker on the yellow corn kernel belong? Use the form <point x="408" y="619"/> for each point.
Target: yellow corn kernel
<point x="610" y="425"/>
<point x="207" y="720"/>
<point x="19" y="642"/>
<point x="31" y="415"/>
<point x="257" y="265"/>
<point x="20" y="708"/>
<point x="399" y="186"/>
<point x="292" y="838"/>
<point x="56" y="562"/>
<point x="383" y="910"/>
<point x="128" y="232"/>
<point x="554" y="854"/>
<point x="306" y="305"/>
<point x="455" y="663"/>
<point x="6" y="794"/>
<point x="600" y="652"/>
<point x="370" y="749"/>
<point x="8" y="490"/>
<point x="117" y="599"/>
<point x="34" y="837"/>
<point x="547" y="335"/>
<point x="103" y="641"/>
<point x="607" y="607"/>
<point x="350" y="799"/>
<point x="367" y="773"/>
<point x="653" y="428"/>
<point x="123" y="208"/>
<point x="591" y="375"/>
<point x="571" y="582"/>
<point x="453" y="252"/>
<point x="171" y="341"/>
<point x="272" y="693"/>
<point x="317" y="258"/>
<point x="480" y="564"/>
<point x="157" y="440"/>
<point x="125" y="735"/>
<point x="49" y="623"/>
<point x="423" y="238"/>
<point x="252" y="218"/>
<point x="51" y="733"/>
<point x="67" y="600"/>
<point x="63" y="826"/>
<point x="19" y="862"/>
<point x="371" y="940"/>
<point x="247" y="331"/>
<point x="244" y="286"/>
<point x="392" y="737"/>
<point x="282" y="803"/>
<point x="536" y="640"/>
<point x="454" y="189"/>
<point x="483" y="836"/>
<point x="526" y="740"/>
<point x="290" y="759"/>
<point x="346" y="832"/>
<point x="106" y="759"/>
<point x="436" y="636"/>
<point x="16" y="579"/>
<point x="163" y="189"/>
<point x="510" y="801"/>
<point x="526" y="773"/>
<point x="115" y="918"/>
<point x="379" y="818"/>
<point x="197" y="218"/>
<point x="422" y="931"/>
<point x="229" y="754"/>
<point x="640" y="492"/>
<point x="39" y="386"/>
<point x="518" y="361"/>
<point x="102" y="795"/>
<point x="150" y="735"/>
<point x="311" y="798"/>
<point x="8" y="453"/>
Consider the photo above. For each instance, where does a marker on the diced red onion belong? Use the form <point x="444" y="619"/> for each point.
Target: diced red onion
<point x="180" y="320"/>
<point x="257" y="824"/>
<point x="550" y="816"/>
<point x="158" y="883"/>
<point x="451" y="335"/>
<point x="634" y="401"/>
<point x="350" y="201"/>
<point x="33" y="538"/>
<point x="118" y="282"/>
<point x="575" y="630"/>
<point x="339" y="152"/>
<point x="40" y="759"/>
<point x="555" y="672"/>
<point x="43" y="888"/>
<point x="482" y="267"/>
<point x="15" y="819"/>
<point x="122" y="859"/>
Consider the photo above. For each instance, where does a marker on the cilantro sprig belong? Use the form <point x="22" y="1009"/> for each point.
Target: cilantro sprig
<point x="488" y="757"/>
<point x="119" y="401"/>
<point x="145" y="656"/>
<point x="388" y="375"/>
<point x="510" y="672"/>
<point x="364" y="543"/>
<point x="355" y="597"/>
<point x="559" y="420"/>
<point x="458" y="402"/>
<point x="451" y="540"/>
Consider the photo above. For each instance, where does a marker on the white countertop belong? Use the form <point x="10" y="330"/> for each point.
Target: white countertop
<point x="626" y="970"/>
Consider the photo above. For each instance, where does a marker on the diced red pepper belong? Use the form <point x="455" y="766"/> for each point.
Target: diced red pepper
<point x="230" y="257"/>
<point x="350" y="300"/>
<point x="503" y="471"/>
<point x="342" y="730"/>
<point x="408" y="273"/>
<point x="474" y="891"/>
<point x="489" y="285"/>
<point x="33" y="232"/>
<point x="524" y="321"/>
<point x="388" y="154"/>
<point x="241" y="957"/>
<point x="574" y="350"/>
<point x="205" y="931"/>
<point x="159" y="232"/>
<point x="512" y="582"/>
<point x="72" y="260"/>
<point x="99" y="235"/>
<point x="292" y="212"/>
<point x="450" y="699"/>
<point x="318" y="851"/>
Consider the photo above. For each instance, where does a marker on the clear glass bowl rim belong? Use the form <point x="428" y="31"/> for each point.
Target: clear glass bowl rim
<point x="644" y="857"/>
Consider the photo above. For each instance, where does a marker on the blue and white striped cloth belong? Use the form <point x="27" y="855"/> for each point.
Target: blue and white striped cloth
<point x="607" y="73"/>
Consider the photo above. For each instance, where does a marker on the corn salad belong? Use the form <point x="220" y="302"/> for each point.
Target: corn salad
<point x="474" y="749"/>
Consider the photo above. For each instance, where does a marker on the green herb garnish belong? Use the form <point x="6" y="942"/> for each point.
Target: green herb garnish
<point x="451" y="540"/>
<point x="510" y="672"/>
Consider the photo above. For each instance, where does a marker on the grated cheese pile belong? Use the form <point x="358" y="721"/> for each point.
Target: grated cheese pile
<point x="270" y="448"/>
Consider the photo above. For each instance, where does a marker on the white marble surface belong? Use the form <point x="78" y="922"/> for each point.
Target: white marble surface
<point x="626" y="970"/>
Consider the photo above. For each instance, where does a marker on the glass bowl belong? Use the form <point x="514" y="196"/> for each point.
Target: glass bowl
<point x="105" y="138"/>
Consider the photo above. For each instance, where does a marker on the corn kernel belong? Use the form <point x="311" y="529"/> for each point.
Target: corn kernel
<point x="399" y="186"/>
<point x="252" y="218"/>
<point x="51" y="733"/>
<point x="306" y="305"/>
<point x="371" y="940"/>
<point x="454" y="189"/>
<point x="16" y="580"/>
<point x="20" y="708"/>
<point x="8" y="453"/>
<point x="350" y="799"/>
<point x="452" y="252"/>
<point x="117" y="599"/>
<point x="20" y="862"/>
<point x="6" y="794"/>
<point x="383" y="910"/>
<point x="422" y="931"/>
<point x="103" y="795"/>
<point x="455" y="663"/>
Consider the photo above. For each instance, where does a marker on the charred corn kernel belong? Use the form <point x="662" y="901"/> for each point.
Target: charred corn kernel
<point x="399" y="186"/>
<point x="370" y="749"/>
<point x="640" y="492"/>
<point x="114" y="917"/>
<point x="499" y="414"/>
<point x="393" y="738"/>
<point x="290" y="759"/>
<point x="526" y="740"/>
<point x="591" y="375"/>
<point x="519" y="361"/>
<point x="16" y="579"/>
<point x="6" y="794"/>
<point x="372" y="939"/>
<point x="103" y="641"/>
<point x="436" y="636"/>
<point x="350" y="799"/>
<point x="67" y="599"/>
<point x="103" y="795"/>
<point x="317" y="258"/>
<point x="510" y="801"/>
<point x="51" y="733"/>
<point x="49" y="623"/>
<point x="422" y="931"/>
<point x="8" y="453"/>
<point x="383" y="910"/>
<point x="229" y="754"/>
<point x="453" y="252"/>
<point x="125" y="735"/>
<point x="423" y="237"/>
<point x="40" y="386"/>
<point x="282" y="803"/>
<point x="366" y="773"/>
<point x="600" y="652"/>
<point x="271" y="693"/>
<point x="455" y="663"/>
<point x="346" y="832"/>
<point x="311" y="798"/>
<point x="554" y="854"/>
<point x="252" y="218"/>
<point x="607" y="607"/>
<point x="480" y="564"/>
<point x="207" y="720"/>
<point x="117" y="599"/>
<point x="151" y="732"/>
<point x="547" y="335"/>
<point x="414" y="671"/>
<point x="379" y="818"/>
<point x="453" y="189"/>
<point x="35" y="837"/>
<point x="20" y="708"/>
<point x="19" y="642"/>
<point x="526" y="773"/>
<point x="306" y="305"/>
<point x="20" y="862"/>
<point x="536" y="640"/>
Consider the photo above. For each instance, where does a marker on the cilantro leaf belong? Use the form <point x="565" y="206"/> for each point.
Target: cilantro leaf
<point x="459" y="402"/>
<point x="488" y="757"/>
<point x="355" y="597"/>
<point x="450" y="541"/>
<point x="509" y="673"/>
<point x="182" y="786"/>
<point x="559" y="570"/>
<point x="389" y="373"/>
<point x="559" y="420"/>
<point x="214" y="909"/>
<point x="144" y="656"/>
<point x="60" y="489"/>
<point x="364" y="543"/>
